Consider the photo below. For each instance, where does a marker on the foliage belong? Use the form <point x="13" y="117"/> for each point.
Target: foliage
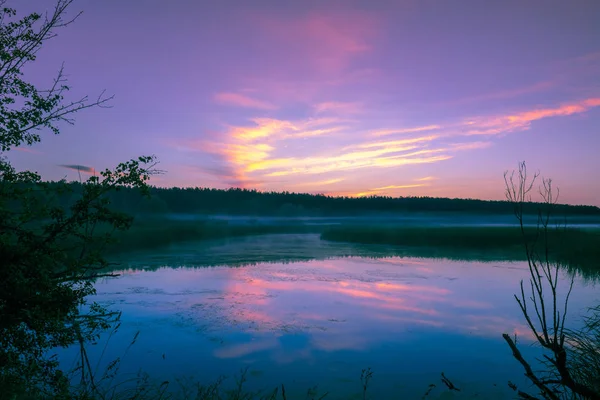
<point x="154" y="233"/>
<point x="237" y="201"/>
<point x="575" y="248"/>
<point x="47" y="261"/>
<point x="572" y="356"/>
<point x="25" y="109"/>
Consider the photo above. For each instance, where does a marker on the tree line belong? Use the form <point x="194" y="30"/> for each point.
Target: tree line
<point x="238" y="201"/>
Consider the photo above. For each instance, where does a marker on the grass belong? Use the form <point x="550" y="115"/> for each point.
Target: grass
<point x="114" y="385"/>
<point x="577" y="248"/>
<point x="153" y="233"/>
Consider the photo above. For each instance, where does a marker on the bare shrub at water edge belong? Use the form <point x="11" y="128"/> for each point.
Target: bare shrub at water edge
<point x="572" y="357"/>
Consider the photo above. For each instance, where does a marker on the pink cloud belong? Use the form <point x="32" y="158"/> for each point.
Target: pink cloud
<point x="324" y="42"/>
<point x="28" y="150"/>
<point x="522" y="121"/>
<point x="339" y="107"/>
<point x="239" y="100"/>
<point x="385" y="132"/>
<point x="566" y="109"/>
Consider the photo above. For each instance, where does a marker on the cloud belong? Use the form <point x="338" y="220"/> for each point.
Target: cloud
<point x="229" y="157"/>
<point x="339" y="107"/>
<point x="577" y="70"/>
<point x="522" y="121"/>
<point x="384" y="155"/>
<point x="239" y="100"/>
<point x="79" y="168"/>
<point x="265" y="149"/>
<point x="28" y="150"/>
<point x="315" y="132"/>
<point x="260" y="151"/>
<point x="392" y="143"/>
<point x="227" y="175"/>
<point x="427" y="178"/>
<point x="320" y="183"/>
<point x="242" y="147"/>
<point x="323" y="43"/>
<point x="296" y="166"/>
<point x="271" y="128"/>
<point x="469" y="146"/>
<point x="567" y="109"/>
<point x="264" y="128"/>
<point x="386" y="132"/>
<point x="384" y="189"/>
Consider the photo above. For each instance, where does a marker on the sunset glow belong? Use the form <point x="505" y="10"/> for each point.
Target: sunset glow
<point x="342" y="98"/>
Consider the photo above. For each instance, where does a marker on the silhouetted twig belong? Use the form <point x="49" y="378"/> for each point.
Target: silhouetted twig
<point x="449" y="384"/>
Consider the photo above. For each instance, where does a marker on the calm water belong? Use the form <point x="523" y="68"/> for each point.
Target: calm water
<point x="322" y="321"/>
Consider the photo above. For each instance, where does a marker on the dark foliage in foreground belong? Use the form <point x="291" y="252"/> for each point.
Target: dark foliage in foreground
<point x="47" y="265"/>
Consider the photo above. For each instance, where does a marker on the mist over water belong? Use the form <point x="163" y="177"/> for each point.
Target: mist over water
<point x="382" y="219"/>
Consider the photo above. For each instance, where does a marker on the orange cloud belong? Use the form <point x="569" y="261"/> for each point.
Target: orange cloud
<point x="248" y="148"/>
<point x="321" y="183"/>
<point x="265" y="149"/>
<point x="567" y="109"/>
<point x="292" y="166"/>
<point x="366" y="155"/>
<point x="384" y="189"/>
<point x="239" y="100"/>
<point x="265" y="127"/>
<point x="269" y="128"/>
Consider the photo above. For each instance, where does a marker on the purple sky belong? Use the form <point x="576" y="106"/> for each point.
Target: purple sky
<point x="339" y="97"/>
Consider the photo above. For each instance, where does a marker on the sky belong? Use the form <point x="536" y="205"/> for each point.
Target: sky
<point x="378" y="97"/>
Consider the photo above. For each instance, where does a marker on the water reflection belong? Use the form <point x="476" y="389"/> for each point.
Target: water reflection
<point x="394" y="295"/>
<point x="311" y="316"/>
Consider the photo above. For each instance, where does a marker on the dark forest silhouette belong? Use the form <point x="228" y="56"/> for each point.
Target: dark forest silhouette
<point x="237" y="201"/>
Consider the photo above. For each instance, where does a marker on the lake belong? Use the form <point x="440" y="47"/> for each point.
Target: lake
<point x="303" y="322"/>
